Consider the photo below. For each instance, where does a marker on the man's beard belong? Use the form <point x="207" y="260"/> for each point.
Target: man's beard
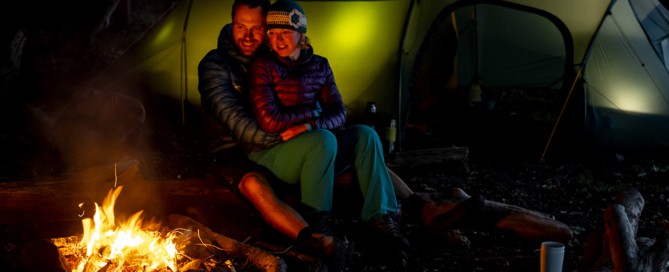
<point x="248" y="46"/>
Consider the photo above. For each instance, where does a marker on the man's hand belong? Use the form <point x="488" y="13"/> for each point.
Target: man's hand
<point x="293" y="131"/>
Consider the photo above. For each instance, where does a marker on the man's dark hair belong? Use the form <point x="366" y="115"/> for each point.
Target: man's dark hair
<point x="264" y="4"/>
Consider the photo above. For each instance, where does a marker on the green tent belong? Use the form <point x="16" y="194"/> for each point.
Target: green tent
<point x="601" y="62"/>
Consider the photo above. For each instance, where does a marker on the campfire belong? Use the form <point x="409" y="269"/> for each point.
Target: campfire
<point x="114" y="241"/>
<point x="110" y="245"/>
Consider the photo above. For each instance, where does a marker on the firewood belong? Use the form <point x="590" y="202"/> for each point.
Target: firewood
<point x="593" y="252"/>
<point x="525" y="223"/>
<point x="657" y="256"/>
<point x="621" y="220"/>
<point x="620" y="233"/>
<point x="258" y="257"/>
<point x="456" y="209"/>
<point x="49" y="203"/>
<point x="633" y="204"/>
<point x="453" y="159"/>
<point x="290" y="253"/>
<point x="34" y="255"/>
<point x="620" y="248"/>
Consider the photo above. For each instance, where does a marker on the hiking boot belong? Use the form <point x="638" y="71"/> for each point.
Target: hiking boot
<point x="319" y="244"/>
<point x="318" y="221"/>
<point x="321" y="224"/>
<point x="412" y="208"/>
<point x="389" y="229"/>
<point x="335" y="252"/>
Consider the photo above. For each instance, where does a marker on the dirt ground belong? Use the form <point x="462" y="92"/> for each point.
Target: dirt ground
<point x="573" y="193"/>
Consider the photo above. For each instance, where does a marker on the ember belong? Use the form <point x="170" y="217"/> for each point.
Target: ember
<point x="125" y="246"/>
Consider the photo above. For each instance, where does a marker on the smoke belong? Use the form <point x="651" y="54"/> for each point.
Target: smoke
<point x="51" y="121"/>
<point x="93" y="128"/>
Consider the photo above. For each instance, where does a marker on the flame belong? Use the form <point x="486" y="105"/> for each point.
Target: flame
<point x="125" y="246"/>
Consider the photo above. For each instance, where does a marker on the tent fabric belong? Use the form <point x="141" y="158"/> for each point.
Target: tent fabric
<point x="626" y="85"/>
<point x="654" y="18"/>
<point x="362" y="52"/>
<point x="496" y="43"/>
<point x="621" y="45"/>
<point x="513" y="52"/>
<point x="509" y="48"/>
<point x="625" y="81"/>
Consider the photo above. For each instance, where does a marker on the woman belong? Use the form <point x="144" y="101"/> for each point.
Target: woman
<point x="293" y="92"/>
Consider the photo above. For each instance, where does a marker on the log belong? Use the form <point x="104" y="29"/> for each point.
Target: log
<point x="593" y="252"/>
<point x="261" y="259"/>
<point x="617" y="243"/>
<point x="452" y="159"/>
<point x="633" y="204"/>
<point x="526" y="223"/>
<point x="619" y="232"/>
<point x="49" y="208"/>
<point x="289" y="253"/>
<point x="657" y="256"/>
<point x="621" y="220"/>
<point x="33" y="255"/>
<point x="457" y="209"/>
<point x="620" y="248"/>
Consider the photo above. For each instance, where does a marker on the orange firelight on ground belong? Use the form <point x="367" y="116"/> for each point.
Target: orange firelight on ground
<point x="125" y="246"/>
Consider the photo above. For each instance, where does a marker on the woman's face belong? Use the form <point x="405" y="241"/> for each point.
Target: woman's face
<point x="285" y="42"/>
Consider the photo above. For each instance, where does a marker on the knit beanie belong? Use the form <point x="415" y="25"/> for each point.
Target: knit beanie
<point x="287" y="14"/>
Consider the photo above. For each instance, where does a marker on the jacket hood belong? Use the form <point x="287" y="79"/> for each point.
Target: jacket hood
<point x="227" y="43"/>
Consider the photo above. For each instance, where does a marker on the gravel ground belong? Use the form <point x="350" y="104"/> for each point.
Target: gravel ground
<point x="573" y="193"/>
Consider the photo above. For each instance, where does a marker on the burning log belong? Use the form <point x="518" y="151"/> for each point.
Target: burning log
<point x="290" y="253"/>
<point x="258" y="257"/>
<point x="618" y="247"/>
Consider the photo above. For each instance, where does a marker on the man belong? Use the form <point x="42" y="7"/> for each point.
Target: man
<point x="222" y="75"/>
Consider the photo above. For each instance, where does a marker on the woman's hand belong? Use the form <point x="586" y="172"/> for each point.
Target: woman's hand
<point x="294" y="131"/>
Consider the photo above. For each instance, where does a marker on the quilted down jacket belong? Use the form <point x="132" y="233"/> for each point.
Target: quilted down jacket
<point x="222" y="76"/>
<point x="285" y="93"/>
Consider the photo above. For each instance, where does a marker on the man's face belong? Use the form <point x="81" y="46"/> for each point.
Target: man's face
<point x="248" y="29"/>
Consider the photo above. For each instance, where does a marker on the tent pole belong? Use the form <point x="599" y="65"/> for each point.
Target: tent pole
<point x="400" y="115"/>
<point x="581" y="67"/>
<point x="184" y="66"/>
<point x="564" y="106"/>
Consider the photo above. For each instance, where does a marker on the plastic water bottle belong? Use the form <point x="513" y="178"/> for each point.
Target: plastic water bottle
<point x="391" y="134"/>
<point x="370" y="114"/>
